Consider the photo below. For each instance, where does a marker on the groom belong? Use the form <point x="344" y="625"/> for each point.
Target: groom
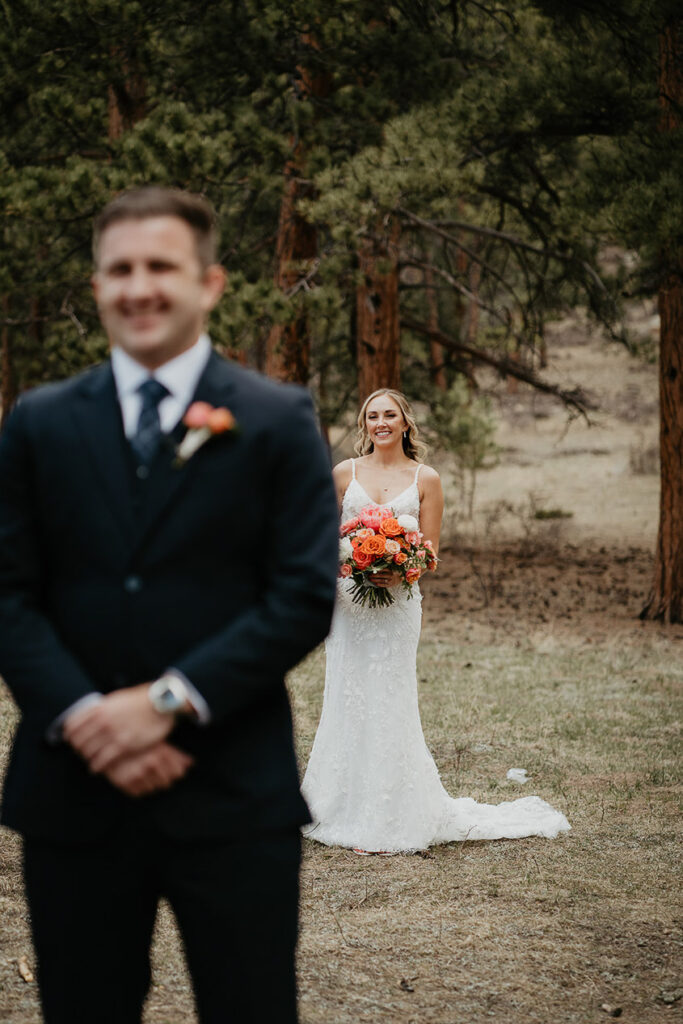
<point x="151" y="602"/>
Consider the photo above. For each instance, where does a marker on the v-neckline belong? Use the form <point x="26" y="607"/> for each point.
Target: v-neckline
<point x="382" y="504"/>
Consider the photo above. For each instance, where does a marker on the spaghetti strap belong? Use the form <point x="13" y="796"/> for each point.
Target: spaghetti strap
<point x="353" y="469"/>
<point x="417" y="473"/>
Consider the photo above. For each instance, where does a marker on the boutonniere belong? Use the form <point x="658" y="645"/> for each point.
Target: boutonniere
<point x="203" y="421"/>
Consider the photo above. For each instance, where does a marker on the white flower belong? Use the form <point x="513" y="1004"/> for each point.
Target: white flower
<point x="408" y="523"/>
<point x="345" y="549"/>
<point x="517" y="775"/>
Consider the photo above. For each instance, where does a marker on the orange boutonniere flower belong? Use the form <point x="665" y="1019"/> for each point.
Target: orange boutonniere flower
<point x="203" y="421"/>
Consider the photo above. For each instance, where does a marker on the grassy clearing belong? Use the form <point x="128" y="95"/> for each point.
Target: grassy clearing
<point x="528" y="930"/>
<point x="525" y="931"/>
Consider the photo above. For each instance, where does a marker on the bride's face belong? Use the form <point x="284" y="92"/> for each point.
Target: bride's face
<point x="384" y="422"/>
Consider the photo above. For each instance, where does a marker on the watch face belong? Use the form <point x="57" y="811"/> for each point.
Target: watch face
<point x="166" y="699"/>
<point x="169" y="700"/>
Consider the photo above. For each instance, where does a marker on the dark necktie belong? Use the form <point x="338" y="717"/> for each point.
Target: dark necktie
<point x="145" y="442"/>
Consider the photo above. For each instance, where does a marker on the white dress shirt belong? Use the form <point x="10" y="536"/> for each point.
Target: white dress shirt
<point x="180" y="377"/>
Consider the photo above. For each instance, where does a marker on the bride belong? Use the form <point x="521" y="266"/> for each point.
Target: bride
<point x="371" y="783"/>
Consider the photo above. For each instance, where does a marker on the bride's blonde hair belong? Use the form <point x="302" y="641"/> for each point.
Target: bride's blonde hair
<point x="413" y="447"/>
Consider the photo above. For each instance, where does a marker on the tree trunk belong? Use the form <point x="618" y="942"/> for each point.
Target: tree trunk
<point x="377" y="316"/>
<point x="126" y="98"/>
<point x="288" y="346"/>
<point x="665" y="602"/>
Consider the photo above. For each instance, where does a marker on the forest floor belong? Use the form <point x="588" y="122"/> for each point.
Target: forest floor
<point x="532" y="657"/>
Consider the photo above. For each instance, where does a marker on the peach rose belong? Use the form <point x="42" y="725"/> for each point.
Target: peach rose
<point x="413" y="575"/>
<point x="345" y="570"/>
<point x="365" y="532"/>
<point x="389" y="527"/>
<point x="349" y="526"/>
<point x="413" y="538"/>
<point x="197" y="415"/>
<point x="373" y="546"/>
<point x="392" y="547"/>
<point x="400" y="558"/>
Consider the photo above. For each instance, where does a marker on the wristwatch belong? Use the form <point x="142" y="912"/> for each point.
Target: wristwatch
<point x="168" y="695"/>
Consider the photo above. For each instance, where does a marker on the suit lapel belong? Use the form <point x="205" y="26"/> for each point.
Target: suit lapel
<point x="167" y="480"/>
<point x="98" y="417"/>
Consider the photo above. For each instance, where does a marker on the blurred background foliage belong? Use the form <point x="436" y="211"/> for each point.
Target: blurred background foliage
<point x="484" y="152"/>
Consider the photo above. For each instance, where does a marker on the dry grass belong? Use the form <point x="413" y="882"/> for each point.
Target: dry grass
<point x="525" y="931"/>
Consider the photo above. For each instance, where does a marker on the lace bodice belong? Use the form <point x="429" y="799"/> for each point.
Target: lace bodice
<point x="357" y="498"/>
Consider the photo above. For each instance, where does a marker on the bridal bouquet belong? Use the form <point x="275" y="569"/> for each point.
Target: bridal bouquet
<point x="376" y="539"/>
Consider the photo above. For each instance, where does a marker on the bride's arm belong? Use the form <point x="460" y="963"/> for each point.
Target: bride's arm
<point x="342" y="474"/>
<point x="431" y="505"/>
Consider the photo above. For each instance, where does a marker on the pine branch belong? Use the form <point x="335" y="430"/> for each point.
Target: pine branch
<point x="575" y="398"/>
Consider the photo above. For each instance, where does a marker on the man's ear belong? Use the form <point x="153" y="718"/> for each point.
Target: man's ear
<point x="215" y="279"/>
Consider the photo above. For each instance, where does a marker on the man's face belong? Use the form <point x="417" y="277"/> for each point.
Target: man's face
<point x="152" y="293"/>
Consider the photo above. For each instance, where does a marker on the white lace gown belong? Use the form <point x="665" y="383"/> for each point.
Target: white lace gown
<point x="371" y="782"/>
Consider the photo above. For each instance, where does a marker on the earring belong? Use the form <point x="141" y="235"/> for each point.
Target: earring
<point x="405" y="434"/>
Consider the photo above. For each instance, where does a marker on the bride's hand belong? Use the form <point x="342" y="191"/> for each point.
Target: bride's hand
<point x="386" y="578"/>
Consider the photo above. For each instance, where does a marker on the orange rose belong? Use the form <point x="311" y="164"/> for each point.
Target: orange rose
<point x="373" y="546"/>
<point x="389" y="527"/>
<point x="413" y="575"/>
<point x="220" y="420"/>
<point x="400" y="558"/>
<point x="361" y="559"/>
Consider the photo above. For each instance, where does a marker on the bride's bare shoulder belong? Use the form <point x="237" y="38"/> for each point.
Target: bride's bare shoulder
<point x="427" y="474"/>
<point x="343" y="471"/>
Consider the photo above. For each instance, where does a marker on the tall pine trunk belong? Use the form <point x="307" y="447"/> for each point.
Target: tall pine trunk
<point x="288" y="346"/>
<point x="665" y="601"/>
<point x="377" y="315"/>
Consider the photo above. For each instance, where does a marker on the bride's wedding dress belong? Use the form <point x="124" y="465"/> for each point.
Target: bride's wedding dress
<point x="371" y="782"/>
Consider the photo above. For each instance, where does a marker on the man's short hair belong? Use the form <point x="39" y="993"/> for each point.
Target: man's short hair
<point x="155" y="201"/>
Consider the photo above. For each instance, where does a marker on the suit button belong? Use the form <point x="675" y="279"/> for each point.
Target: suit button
<point x="132" y="584"/>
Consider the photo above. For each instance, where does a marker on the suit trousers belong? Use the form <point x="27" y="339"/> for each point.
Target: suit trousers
<point x="93" y="908"/>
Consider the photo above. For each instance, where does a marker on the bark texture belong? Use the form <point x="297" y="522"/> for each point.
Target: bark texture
<point x="288" y="346"/>
<point x="665" y="602"/>
<point x="126" y="99"/>
<point x="377" y="315"/>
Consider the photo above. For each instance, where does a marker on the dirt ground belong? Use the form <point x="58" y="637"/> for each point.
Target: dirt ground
<point x="544" y="583"/>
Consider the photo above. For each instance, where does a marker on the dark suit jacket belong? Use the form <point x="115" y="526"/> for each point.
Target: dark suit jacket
<point x="224" y="569"/>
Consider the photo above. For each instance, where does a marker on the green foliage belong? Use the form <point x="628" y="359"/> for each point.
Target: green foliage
<point x="462" y="425"/>
<point x="533" y="124"/>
